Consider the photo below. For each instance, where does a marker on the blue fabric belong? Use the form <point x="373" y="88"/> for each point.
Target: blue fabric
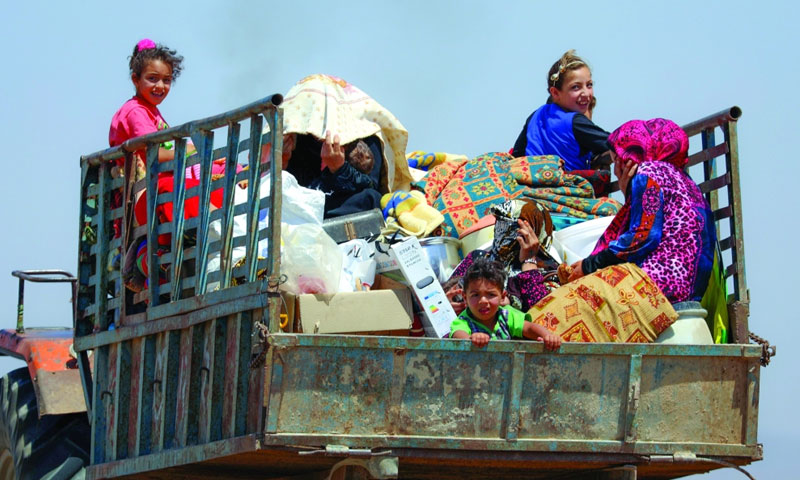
<point x="550" y="133"/>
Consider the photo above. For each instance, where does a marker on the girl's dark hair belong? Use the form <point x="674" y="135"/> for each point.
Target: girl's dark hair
<point x="142" y="56"/>
<point x="489" y="270"/>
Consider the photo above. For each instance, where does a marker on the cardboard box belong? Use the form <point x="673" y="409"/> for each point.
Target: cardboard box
<point x="384" y="310"/>
<point x="409" y="258"/>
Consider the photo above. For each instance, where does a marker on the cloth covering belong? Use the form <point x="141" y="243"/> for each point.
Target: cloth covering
<point x="465" y="190"/>
<point x="320" y="103"/>
<point x="616" y="304"/>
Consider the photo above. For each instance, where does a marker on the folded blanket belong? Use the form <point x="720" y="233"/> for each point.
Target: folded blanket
<point x="465" y="190"/>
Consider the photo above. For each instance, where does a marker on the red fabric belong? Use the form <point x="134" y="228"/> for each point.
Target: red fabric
<point x="164" y="212"/>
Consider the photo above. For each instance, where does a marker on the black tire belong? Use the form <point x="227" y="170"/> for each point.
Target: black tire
<point x="31" y="448"/>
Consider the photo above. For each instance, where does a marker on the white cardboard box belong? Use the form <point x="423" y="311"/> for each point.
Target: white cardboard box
<point x="409" y="258"/>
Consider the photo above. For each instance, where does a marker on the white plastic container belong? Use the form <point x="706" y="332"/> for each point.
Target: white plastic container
<point x="690" y="328"/>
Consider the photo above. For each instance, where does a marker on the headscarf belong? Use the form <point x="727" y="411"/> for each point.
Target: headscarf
<point x="652" y="140"/>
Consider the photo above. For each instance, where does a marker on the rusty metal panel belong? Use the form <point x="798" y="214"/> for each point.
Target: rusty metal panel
<point x="647" y="399"/>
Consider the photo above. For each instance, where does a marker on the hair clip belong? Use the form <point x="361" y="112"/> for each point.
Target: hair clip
<point x="145" y="44"/>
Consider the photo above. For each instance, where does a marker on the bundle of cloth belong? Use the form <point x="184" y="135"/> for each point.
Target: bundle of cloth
<point x="464" y="190"/>
<point x="320" y="103"/>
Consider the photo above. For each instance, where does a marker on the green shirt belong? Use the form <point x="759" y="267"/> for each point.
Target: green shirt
<point x="516" y="320"/>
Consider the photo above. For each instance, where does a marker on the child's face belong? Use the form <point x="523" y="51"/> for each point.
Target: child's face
<point x="483" y="299"/>
<point x="154" y="83"/>
<point x="576" y="92"/>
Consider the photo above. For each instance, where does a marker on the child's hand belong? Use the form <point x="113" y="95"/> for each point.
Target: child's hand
<point x="551" y="341"/>
<point x="479" y="339"/>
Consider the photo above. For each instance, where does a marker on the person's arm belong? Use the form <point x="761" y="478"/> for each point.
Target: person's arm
<point x="534" y="331"/>
<point x="644" y="232"/>
<point x="589" y="136"/>
<point x="522" y="140"/>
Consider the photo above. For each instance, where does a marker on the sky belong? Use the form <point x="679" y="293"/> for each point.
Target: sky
<point x="462" y="76"/>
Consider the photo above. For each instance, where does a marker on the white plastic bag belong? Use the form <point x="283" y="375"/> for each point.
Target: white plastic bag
<point x="299" y="205"/>
<point x="310" y="259"/>
<point x="358" y="265"/>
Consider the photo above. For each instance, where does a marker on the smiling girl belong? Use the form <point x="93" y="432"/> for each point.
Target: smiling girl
<point x="562" y="126"/>
<point x="153" y="68"/>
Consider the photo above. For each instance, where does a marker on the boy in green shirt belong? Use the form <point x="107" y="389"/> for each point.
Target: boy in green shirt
<point x="485" y="317"/>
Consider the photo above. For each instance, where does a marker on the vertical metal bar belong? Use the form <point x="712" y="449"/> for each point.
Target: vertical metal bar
<point x="179" y="197"/>
<point x="634" y="392"/>
<point x="206" y="382"/>
<point x="254" y="392"/>
<point x="254" y="197"/>
<point x="111" y="403"/>
<point x="123" y="398"/>
<point x="751" y="416"/>
<point x="249" y="380"/>
<point x="276" y="197"/>
<point x="193" y="405"/>
<point x="514" y="396"/>
<point x="182" y="395"/>
<point x="171" y="385"/>
<point x="392" y="416"/>
<point x="159" y="390"/>
<point x="274" y="365"/>
<point x="710" y="169"/>
<point x="152" y="224"/>
<point x="102" y="397"/>
<point x="227" y="205"/>
<point x="206" y="150"/>
<point x="101" y="273"/>
<point x="734" y="200"/>
<point x="135" y="403"/>
<point x="219" y="371"/>
<point x="147" y="397"/>
<point x="20" y="306"/>
<point x="232" y="366"/>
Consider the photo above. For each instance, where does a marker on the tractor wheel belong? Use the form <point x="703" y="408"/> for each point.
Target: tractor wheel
<point x="54" y="446"/>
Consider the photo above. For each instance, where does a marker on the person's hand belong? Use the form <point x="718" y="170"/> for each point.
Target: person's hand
<point x="456" y="297"/>
<point x="551" y="341"/>
<point x="625" y="171"/>
<point x="527" y="239"/>
<point x="332" y="152"/>
<point x="576" y="271"/>
<point x="479" y="339"/>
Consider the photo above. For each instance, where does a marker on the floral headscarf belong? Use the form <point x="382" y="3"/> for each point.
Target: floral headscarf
<point x="658" y="139"/>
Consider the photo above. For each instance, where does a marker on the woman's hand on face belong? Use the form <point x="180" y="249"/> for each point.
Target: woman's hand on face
<point x="625" y="171"/>
<point x="528" y="241"/>
<point x="576" y="271"/>
<point x="332" y="152"/>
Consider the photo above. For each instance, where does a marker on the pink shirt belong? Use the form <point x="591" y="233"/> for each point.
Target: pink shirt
<point x="133" y="119"/>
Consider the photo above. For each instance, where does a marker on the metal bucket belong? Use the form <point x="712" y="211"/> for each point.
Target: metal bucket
<point x="443" y="253"/>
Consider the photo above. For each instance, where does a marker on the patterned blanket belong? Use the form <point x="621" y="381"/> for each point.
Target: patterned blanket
<point x="464" y="190"/>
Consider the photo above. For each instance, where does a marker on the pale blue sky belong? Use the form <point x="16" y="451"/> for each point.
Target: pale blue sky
<point x="462" y="76"/>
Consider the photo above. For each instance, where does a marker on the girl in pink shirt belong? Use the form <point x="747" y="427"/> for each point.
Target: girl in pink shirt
<point x="153" y="68"/>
